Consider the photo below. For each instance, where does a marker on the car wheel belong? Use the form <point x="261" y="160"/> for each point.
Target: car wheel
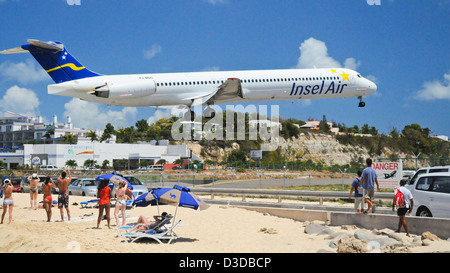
<point x="83" y="194"/>
<point x="424" y="212"/>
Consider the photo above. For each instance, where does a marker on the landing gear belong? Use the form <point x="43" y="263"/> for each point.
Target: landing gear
<point x="189" y="115"/>
<point x="209" y="112"/>
<point x="361" y="103"/>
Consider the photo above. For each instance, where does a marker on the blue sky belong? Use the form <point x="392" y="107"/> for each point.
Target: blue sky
<point x="400" y="44"/>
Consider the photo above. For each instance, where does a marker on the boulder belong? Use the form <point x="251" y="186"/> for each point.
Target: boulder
<point x="430" y="236"/>
<point x="365" y="235"/>
<point x="351" y="245"/>
<point x="315" y="229"/>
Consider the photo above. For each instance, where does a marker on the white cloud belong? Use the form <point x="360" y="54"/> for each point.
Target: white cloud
<point x="314" y="53"/>
<point x="23" y="72"/>
<point x="150" y="53"/>
<point x="90" y="115"/>
<point x="159" y="114"/>
<point x="435" y="90"/>
<point x="20" y="100"/>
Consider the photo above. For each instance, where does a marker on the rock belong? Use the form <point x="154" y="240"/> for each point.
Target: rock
<point x="351" y="245"/>
<point x="349" y="227"/>
<point x="314" y="229"/>
<point x="395" y="236"/>
<point x="384" y="231"/>
<point x="386" y="241"/>
<point x="268" y="230"/>
<point x="395" y="248"/>
<point x="417" y="241"/>
<point x="426" y="242"/>
<point x="430" y="236"/>
<point x="365" y="235"/>
<point x="336" y="235"/>
<point x="326" y="231"/>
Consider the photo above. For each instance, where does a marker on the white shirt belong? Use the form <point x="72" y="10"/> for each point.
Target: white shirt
<point x="407" y="195"/>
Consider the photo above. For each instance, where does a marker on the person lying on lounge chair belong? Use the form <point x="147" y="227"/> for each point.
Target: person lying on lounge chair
<point x="150" y="225"/>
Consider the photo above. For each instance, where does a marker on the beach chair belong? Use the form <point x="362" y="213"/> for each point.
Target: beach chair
<point x="143" y="227"/>
<point x="165" y="236"/>
<point x="86" y="204"/>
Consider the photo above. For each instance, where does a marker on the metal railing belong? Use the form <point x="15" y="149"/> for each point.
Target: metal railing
<point x="283" y="193"/>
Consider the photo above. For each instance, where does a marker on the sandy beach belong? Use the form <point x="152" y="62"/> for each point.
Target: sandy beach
<point x="219" y="229"/>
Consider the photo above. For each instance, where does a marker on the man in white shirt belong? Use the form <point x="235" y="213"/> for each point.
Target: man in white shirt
<point x="408" y="206"/>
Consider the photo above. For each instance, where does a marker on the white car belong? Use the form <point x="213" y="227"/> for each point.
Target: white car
<point x="431" y="195"/>
<point x="421" y="171"/>
<point x="83" y="187"/>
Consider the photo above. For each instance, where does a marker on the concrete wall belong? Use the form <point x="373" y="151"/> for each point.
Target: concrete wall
<point x="416" y="225"/>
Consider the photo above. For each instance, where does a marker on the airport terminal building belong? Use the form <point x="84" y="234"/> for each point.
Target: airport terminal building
<point x="58" y="154"/>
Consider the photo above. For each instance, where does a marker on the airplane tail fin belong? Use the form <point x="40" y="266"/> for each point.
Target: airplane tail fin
<point x="55" y="59"/>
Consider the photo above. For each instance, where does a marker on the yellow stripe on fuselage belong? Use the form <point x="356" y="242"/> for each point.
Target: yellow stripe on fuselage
<point x="71" y="65"/>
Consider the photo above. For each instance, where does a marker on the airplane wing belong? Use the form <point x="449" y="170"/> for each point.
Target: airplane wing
<point x="230" y="89"/>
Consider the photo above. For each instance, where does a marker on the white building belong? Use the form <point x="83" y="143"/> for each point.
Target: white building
<point x="18" y="129"/>
<point x="58" y="154"/>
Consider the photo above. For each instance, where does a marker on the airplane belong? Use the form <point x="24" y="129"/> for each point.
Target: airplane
<point x="191" y="89"/>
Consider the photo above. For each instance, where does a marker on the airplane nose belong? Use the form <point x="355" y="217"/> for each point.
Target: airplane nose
<point x="372" y="88"/>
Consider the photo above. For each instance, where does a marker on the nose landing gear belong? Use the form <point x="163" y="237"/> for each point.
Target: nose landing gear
<point x="361" y="103"/>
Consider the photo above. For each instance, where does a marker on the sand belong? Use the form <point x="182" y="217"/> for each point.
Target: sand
<point x="219" y="229"/>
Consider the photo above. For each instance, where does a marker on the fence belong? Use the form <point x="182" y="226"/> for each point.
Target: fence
<point x="285" y="180"/>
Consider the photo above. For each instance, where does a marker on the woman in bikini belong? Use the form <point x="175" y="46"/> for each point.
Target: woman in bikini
<point x="105" y="194"/>
<point x="121" y="202"/>
<point x="8" y="201"/>
<point x="47" y="190"/>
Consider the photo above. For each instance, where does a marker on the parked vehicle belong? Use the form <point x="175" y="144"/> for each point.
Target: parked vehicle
<point x="138" y="187"/>
<point x="25" y="184"/>
<point x="431" y="194"/>
<point x="48" y="168"/>
<point x="55" y="190"/>
<point x="435" y="169"/>
<point x="16" y="183"/>
<point x="83" y="187"/>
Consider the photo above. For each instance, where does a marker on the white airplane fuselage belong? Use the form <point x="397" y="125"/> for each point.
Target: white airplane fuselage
<point x="167" y="89"/>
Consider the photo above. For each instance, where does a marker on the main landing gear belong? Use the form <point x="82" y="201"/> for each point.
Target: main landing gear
<point x="361" y="103"/>
<point x="207" y="113"/>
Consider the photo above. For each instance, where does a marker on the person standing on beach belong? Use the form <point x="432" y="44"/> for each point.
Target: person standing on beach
<point x="8" y="202"/>
<point x="368" y="181"/>
<point x="406" y="205"/>
<point x="47" y="190"/>
<point x="121" y="202"/>
<point x="63" y="196"/>
<point x="105" y="194"/>
<point x="359" y="204"/>
<point x="34" y="180"/>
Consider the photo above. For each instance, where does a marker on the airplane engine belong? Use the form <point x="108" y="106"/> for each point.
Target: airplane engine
<point x="126" y="89"/>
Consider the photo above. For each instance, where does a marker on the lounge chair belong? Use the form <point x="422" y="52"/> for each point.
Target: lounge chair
<point x="144" y="228"/>
<point x="89" y="203"/>
<point x="159" y="236"/>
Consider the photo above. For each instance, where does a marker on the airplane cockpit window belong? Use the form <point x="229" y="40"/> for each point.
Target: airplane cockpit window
<point x="359" y="76"/>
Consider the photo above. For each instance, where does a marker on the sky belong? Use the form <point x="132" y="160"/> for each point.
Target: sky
<point x="401" y="45"/>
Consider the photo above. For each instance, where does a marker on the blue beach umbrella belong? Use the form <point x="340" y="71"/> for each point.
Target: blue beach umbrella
<point x="115" y="179"/>
<point x="177" y="196"/>
<point x="146" y="199"/>
<point x="180" y="197"/>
